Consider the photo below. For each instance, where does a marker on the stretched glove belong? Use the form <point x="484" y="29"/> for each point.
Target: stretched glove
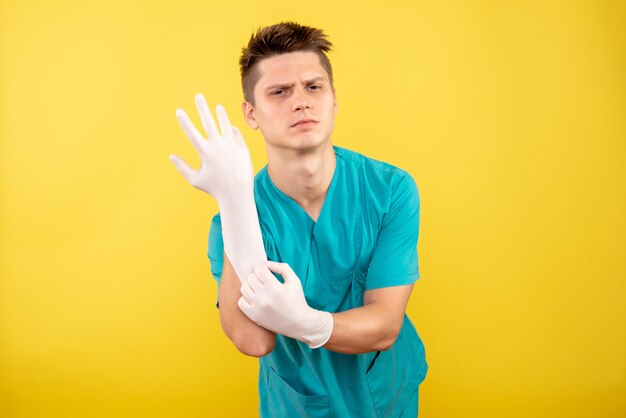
<point x="226" y="173"/>
<point x="282" y="307"/>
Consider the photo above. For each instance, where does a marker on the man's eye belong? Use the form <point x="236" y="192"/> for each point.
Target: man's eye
<point x="315" y="87"/>
<point x="277" y="92"/>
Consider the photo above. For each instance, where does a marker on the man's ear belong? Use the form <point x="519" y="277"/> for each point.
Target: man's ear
<point x="336" y="106"/>
<point x="248" y="114"/>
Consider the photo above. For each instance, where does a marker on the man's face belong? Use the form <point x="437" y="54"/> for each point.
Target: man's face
<point x="295" y="105"/>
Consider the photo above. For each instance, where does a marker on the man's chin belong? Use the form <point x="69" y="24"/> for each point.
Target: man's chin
<point x="302" y="143"/>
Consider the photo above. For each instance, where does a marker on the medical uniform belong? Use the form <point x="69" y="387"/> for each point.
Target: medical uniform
<point x="365" y="238"/>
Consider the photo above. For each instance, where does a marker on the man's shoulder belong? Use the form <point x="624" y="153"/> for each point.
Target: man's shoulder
<point x="370" y="167"/>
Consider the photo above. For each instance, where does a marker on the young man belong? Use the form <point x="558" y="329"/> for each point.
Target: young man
<point x="341" y="229"/>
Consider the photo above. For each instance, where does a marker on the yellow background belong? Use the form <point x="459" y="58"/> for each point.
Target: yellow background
<point x="511" y="116"/>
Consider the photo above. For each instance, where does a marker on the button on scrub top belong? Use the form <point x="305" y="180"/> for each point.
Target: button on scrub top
<point x="365" y="238"/>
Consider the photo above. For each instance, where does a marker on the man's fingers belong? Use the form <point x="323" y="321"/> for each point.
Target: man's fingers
<point x="263" y="275"/>
<point x="192" y="133"/>
<point x="247" y="293"/>
<point x="280" y="268"/>
<point x="242" y="302"/>
<point x="206" y="117"/>
<point x="255" y="283"/>
<point x="238" y="137"/>
<point x="182" y="166"/>
<point x="222" y="117"/>
<point x="245" y="307"/>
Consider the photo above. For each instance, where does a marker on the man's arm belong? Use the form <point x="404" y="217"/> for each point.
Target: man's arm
<point x="248" y="337"/>
<point x="373" y="326"/>
<point x="392" y="270"/>
<point x="226" y="174"/>
<point x="282" y="308"/>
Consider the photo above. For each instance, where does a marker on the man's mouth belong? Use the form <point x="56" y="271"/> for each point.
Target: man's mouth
<point x="304" y="122"/>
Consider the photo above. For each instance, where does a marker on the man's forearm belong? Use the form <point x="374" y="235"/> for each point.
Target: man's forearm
<point x="364" y="329"/>
<point x="282" y="308"/>
<point x="241" y="232"/>
<point x="249" y="338"/>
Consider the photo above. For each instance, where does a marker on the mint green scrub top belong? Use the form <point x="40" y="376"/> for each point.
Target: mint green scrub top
<point x="365" y="238"/>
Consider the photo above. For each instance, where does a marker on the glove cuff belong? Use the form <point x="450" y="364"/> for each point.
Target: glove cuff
<point x="322" y="332"/>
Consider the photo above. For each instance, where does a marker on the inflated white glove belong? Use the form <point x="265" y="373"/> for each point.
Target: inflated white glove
<point x="226" y="173"/>
<point x="282" y="307"/>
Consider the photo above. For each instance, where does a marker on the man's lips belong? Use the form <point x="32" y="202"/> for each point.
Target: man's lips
<point x="304" y="122"/>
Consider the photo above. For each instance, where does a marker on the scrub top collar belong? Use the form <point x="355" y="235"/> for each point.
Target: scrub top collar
<point x="326" y="206"/>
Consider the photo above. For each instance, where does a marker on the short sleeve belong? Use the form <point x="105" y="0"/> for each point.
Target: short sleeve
<point x="394" y="260"/>
<point x="216" y="248"/>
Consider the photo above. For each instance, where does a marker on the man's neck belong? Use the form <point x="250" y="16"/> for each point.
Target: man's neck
<point x="303" y="176"/>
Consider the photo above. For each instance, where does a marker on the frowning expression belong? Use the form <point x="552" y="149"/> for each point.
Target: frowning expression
<point x="295" y="104"/>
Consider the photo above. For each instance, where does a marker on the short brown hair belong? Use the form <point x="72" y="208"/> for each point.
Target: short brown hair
<point x="279" y="39"/>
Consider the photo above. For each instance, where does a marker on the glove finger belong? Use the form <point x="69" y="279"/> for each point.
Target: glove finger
<point x="238" y="137"/>
<point x="190" y="130"/>
<point x="187" y="172"/>
<point x="245" y="307"/>
<point x="254" y="283"/>
<point x="263" y="275"/>
<point x="206" y="117"/>
<point x="222" y="117"/>
<point x="246" y="292"/>
<point x="281" y="268"/>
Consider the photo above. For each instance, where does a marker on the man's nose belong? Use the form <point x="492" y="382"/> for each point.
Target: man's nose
<point x="300" y="100"/>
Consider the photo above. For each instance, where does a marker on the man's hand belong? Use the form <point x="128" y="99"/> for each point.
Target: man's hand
<point x="226" y="173"/>
<point x="226" y="168"/>
<point x="282" y="307"/>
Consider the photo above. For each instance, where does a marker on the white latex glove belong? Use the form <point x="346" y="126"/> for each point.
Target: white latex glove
<point x="226" y="173"/>
<point x="282" y="307"/>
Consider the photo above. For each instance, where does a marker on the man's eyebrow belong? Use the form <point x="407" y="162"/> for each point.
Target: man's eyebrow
<point x="287" y="85"/>
<point x="279" y="86"/>
<point x="314" y="80"/>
